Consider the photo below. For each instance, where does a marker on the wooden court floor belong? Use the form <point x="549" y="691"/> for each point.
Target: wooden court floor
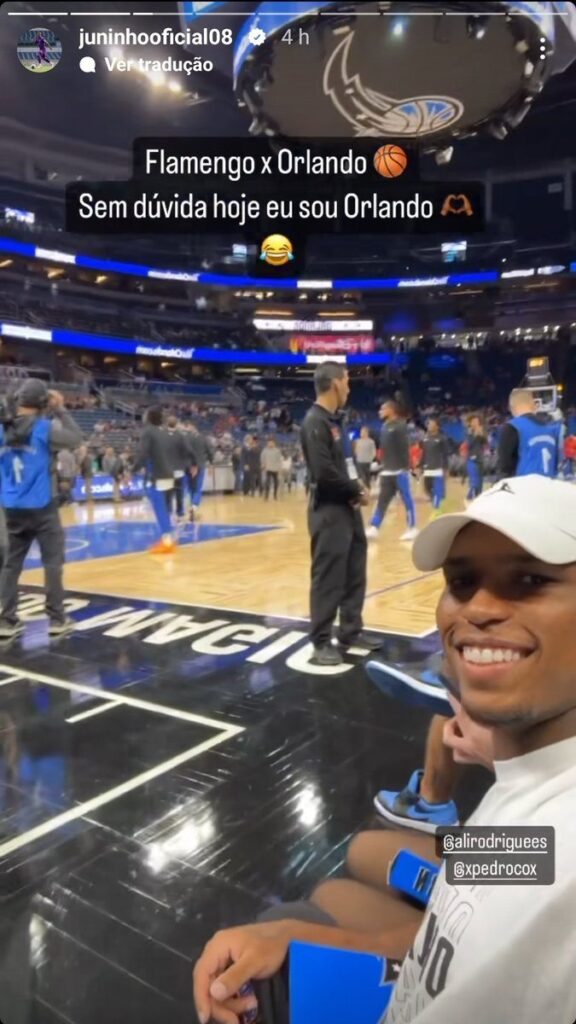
<point x="266" y="573"/>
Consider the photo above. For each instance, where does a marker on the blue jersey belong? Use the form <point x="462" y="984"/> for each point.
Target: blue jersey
<point x="538" y="445"/>
<point x="26" y="471"/>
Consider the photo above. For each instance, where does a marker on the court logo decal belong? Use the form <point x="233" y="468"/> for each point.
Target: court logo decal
<point x="373" y="113"/>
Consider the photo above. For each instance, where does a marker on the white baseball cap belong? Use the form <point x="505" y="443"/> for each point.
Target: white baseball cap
<point x="535" y="512"/>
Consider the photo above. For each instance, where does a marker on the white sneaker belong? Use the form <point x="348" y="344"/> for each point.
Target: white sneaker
<point x="410" y="534"/>
<point x="372" y="533"/>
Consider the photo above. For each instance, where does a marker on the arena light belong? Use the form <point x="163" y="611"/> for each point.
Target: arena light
<point x="6" y="263"/>
<point x="476" y="26"/>
<point x="174" y="86"/>
<point x="157" y="78"/>
<point x="20" y="216"/>
<point x="527" y="272"/>
<point x="334" y="312"/>
<point x="24" y="331"/>
<point x="310" y="285"/>
<point x="54" y="255"/>
<point x="443" y="156"/>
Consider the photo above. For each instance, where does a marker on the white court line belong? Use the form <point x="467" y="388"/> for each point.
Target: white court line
<point x="82" y="810"/>
<point x="93" y="711"/>
<point x="11" y="679"/>
<point x="225" y="732"/>
<point x="118" y="698"/>
<point x="224" y="608"/>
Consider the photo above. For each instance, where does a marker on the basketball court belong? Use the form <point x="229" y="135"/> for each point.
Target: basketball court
<point x="180" y="762"/>
<point x="246" y="554"/>
<point x="177" y="763"/>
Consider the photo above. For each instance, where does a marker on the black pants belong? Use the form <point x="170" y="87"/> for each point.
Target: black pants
<point x="271" y="479"/>
<point x="364" y="472"/>
<point x="338" y="572"/>
<point x="24" y="526"/>
<point x="251" y="482"/>
<point x="177" y="495"/>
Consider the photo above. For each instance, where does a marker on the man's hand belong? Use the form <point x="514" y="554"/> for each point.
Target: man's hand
<point x="55" y="400"/>
<point x="230" y="960"/>
<point x="470" y="743"/>
<point x="362" y="500"/>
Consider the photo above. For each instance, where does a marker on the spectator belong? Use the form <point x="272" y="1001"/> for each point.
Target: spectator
<point x="286" y="477"/>
<point x="237" y="469"/>
<point x="66" y="475"/>
<point x="271" y="462"/>
<point x="85" y="470"/>
<point x="365" y="452"/>
<point x="112" y="466"/>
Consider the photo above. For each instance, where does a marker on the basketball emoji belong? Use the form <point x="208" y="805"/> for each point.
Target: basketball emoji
<point x="390" y="161"/>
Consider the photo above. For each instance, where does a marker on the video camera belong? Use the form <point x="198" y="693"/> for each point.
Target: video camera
<point x="540" y="382"/>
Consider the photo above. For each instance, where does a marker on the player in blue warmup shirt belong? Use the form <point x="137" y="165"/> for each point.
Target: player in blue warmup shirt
<point x="531" y="442"/>
<point x="32" y="429"/>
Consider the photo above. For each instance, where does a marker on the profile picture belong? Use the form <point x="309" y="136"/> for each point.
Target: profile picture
<point x="39" y="50"/>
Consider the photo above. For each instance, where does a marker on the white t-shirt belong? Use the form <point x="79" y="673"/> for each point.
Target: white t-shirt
<point x="503" y="953"/>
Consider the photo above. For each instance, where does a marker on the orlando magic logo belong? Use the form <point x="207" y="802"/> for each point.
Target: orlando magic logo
<point x="373" y="113"/>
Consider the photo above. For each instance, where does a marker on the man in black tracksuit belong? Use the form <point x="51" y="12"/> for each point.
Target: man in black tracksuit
<point x="252" y="469"/>
<point x="435" y="463"/>
<point x="180" y="454"/>
<point x="201" y="454"/>
<point x="334" y="521"/>
<point x="155" y="456"/>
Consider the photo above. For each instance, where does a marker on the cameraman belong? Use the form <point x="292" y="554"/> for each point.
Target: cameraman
<point x="28" y="441"/>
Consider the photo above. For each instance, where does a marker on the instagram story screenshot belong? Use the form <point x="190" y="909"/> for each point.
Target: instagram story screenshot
<point x="287" y="512"/>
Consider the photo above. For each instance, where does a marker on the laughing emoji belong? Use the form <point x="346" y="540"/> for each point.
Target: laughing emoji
<point x="276" y="250"/>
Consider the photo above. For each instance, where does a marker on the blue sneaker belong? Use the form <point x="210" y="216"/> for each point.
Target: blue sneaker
<point x="424" y="690"/>
<point x="409" y="809"/>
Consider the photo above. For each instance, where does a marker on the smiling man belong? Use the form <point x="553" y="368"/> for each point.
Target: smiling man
<point x="507" y="620"/>
<point x="483" y="953"/>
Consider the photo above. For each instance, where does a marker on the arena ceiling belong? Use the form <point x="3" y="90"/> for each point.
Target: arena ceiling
<point x="109" y="110"/>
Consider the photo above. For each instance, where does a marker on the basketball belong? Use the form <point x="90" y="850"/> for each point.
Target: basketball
<point x="390" y="161"/>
